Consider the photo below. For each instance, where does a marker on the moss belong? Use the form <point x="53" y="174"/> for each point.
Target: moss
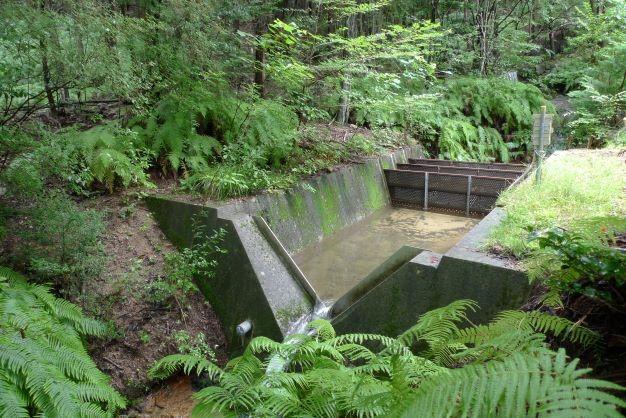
<point x="297" y="203"/>
<point x="284" y="212"/>
<point x="375" y="195"/>
<point x="329" y="208"/>
<point x="289" y="314"/>
<point x="301" y="215"/>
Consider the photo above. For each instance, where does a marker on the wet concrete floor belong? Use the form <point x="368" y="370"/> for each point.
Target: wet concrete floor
<point x="337" y="263"/>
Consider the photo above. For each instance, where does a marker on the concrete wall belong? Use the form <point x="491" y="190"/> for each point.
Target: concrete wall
<point x="251" y="280"/>
<point x="324" y="204"/>
<point x="256" y="279"/>
<point x="432" y="280"/>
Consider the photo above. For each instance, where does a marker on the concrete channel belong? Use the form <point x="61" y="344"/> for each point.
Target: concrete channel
<point x="346" y="239"/>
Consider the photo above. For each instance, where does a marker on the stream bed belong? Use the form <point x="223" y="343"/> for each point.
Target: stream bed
<point x="337" y="263"/>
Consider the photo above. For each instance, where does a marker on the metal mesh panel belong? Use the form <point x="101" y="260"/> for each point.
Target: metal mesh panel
<point x="405" y="178"/>
<point x="489" y="186"/>
<point x="483" y="204"/>
<point x="468" y="164"/>
<point x="446" y="200"/>
<point x="458" y="192"/>
<point x="455" y="183"/>
<point x="404" y="196"/>
<point x="509" y="174"/>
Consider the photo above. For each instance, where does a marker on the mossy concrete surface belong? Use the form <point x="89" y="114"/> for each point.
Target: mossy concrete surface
<point x="256" y="280"/>
<point x="324" y="204"/>
<point x="432" y="280"/>
<point x="251" y="281"/>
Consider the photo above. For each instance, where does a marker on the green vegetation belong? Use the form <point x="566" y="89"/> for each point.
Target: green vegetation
<point x="567" y="231"/>
<point x="44" y="367"/>
<point x="184" y="267"/>
<point x="195" y="345"/>
<point x="58" y="241"/>
<point x="500" y="369"/>
<point x="230" y="98"/>
<point x="582" y="192"/>
<point x="573" y="264"/>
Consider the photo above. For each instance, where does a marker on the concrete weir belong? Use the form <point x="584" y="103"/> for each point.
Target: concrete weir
<point x="258" y="281"/>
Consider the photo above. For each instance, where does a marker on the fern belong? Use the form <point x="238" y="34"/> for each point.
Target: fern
<point x="465" y="119"/>
<point x="44" y="367"/>
<point x="113" y="155"/>
<point x="525" y="384"/>
<point x="499" y="369"/>
<point x="189" y="130"/>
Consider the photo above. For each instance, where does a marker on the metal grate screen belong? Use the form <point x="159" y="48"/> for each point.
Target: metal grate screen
<point x="471" y="188"/>
<point x="508" y="174"/>
<point x="466" y="164"/>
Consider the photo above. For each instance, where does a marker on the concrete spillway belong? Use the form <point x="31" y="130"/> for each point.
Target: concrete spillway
<point x="337" y="237"/>
<point x="337" y="263"/>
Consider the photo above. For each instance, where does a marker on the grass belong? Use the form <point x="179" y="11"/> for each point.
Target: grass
<point x="582" y="191"/>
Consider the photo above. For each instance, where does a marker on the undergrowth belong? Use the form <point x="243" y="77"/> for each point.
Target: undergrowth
<point x="436" y="368"/>
<point x="464" y="119"/>
<point x="582" y="192"/>
<point x="45" y="369"/>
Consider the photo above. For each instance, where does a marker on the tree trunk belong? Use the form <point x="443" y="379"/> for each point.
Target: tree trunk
<point x="344" y="107"/>
<point x="434" y="6"/>
<point x="46" y="78"/>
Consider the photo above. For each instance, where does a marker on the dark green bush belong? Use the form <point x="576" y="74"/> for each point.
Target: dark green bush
<point x="466" y="118"/>
<point x="582" y="266"/>
<point x="60" y="242"/>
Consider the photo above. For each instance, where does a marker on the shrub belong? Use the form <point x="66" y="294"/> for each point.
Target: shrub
<point x="191" y="128"/>
<point x="76" y="160"/>
<point x="61" y="242"/>
<point x="224" y="181"/>
<point x="572" y="264"/>
<point x="195" y="345"/>
<point x="435" y="368"/>
<point x="595" y="114"/>
<point x="112" y="155"/>
<point x="182" y="268"/>
<point x="44" y="367"/>
<point x="466" y="118"/>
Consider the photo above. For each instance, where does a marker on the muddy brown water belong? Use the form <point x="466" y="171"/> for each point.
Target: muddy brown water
<point x="337" y="263"/>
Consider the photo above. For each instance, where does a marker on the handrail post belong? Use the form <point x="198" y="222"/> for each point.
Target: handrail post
<point x="467" y="199"/>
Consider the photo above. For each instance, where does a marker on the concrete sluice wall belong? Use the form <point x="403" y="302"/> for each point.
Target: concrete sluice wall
<point x="257" y="279"/>
<point x="416" y="281"/>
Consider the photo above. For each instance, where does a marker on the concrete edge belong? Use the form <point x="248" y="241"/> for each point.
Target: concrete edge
<point x="387" y="268"/>
<point x="282" y="253"/>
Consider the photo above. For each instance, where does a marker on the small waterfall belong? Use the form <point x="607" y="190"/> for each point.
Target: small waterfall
<point x="320" y="311"/>
<point x="279" y="362"/>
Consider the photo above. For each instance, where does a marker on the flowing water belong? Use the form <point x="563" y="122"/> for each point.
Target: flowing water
<point x="337" y="263"/>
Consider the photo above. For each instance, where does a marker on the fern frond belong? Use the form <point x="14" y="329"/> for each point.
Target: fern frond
<point x="542" y="322"/>
<point x="323" y="329"/>
<point x="44" y="366"/>
<point x="169" y="365"/>
<point x="523" y="384"/>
